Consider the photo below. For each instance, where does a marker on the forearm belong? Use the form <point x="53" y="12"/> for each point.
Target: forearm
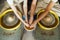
<point x="33" y="7"/>
<point x="49" y="6"/>
<point x="17" y="13"/>
<point x="25" y="10"/>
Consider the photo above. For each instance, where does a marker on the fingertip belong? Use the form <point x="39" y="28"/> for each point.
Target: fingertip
<point x="31" y="26"/>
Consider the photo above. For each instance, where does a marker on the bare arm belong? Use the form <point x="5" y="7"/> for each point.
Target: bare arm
<point x="49" y="6"/>
<point x="25" y="10"/>
<point x="33" y="7"/>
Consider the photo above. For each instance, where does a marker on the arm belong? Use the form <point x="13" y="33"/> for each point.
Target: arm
<point x="49" y="6"/>
<point x="25" y="10"/>
<point x="17" y="13"/>
<point x="33" y="7"/>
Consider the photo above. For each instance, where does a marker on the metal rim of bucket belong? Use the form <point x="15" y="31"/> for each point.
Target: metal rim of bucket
<point x="5" y="12"/>
<point x="45" y="28"/>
